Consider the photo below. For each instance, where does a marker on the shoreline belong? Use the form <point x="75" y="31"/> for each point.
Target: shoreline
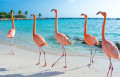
<point x="53" y="52"/>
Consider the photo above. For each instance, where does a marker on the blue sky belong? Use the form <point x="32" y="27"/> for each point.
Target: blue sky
<point x="66" y="8"/>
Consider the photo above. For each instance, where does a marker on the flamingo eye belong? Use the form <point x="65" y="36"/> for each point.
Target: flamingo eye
<point x="100" y="12"/>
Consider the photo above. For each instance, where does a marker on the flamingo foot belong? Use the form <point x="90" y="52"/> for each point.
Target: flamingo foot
<point x="12" y="53"/>
<point x="65" y="66"/>
<point x="89" y="65"/>
<point x="93" y="61"/>
<point x="38" y="63"/>
<point x="53" y="65"/>
<point x="45" y="65"/>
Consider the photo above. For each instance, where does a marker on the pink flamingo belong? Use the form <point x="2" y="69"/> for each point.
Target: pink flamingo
<point x="39" y="41"/>
<point x="89" y="39"/>
<point x="11" y="34"/>
<point x="109" y="48"/>
<point x="61" y="38"/>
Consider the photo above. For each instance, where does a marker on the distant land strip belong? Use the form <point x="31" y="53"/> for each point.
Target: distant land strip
<point x="6" y="19"/>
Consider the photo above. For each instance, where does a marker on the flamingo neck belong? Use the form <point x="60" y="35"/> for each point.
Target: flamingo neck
<point x="34" y="26"/>
<point x="13" y="22"/>
<point x="85" y="28"/>
<point x="103" y="28"/>
<point x="56" y="30"/>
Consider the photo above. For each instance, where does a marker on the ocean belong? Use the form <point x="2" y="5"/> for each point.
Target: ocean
<point x="72" y="27"/>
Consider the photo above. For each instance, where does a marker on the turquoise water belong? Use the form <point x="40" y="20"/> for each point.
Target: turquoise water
<point x="73" y="28"/>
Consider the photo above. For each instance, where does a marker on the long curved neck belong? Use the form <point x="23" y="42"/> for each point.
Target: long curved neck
<point x="13" y="22"/>
<point x="85" y="28"/>
<point x="56" y="30"/>
<point x="34" y="25"/>
<point x="103" y="28"/>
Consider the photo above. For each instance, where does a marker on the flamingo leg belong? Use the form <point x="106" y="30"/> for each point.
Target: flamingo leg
<point x="93" y="54"/>
<point x="59" y="58"/>
<point x="65" y="57"/>
<point x="90" y="57"/>
<point x="10" y="45"/>
<point x="39" y="57"/>
<point x="44" y="57"/>
<point x="12" y="48"/>
<point x="109" y="66"/>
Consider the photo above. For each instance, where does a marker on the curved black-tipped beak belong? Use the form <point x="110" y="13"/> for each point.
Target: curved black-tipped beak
<point x="81" y="14"/>
<point x="52" y="10"/>
<point x="97" y="13"/>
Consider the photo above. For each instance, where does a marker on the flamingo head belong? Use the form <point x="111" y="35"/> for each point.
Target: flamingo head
<point x="84" y="15"/>
<point x="33" y="15"/>
<point x="12" y="13"/>
<point x="55" y="10"/>
<point x="102" y="13"/>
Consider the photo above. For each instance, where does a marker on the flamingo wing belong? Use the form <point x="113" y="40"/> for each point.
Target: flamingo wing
<point x="110" y="49"/>
<point x="62" y="39"/>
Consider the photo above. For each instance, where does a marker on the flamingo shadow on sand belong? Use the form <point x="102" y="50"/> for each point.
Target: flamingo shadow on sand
<point x="77" y="68"/>
<point x="3" y="69"/>
<point x="41" y="74"/>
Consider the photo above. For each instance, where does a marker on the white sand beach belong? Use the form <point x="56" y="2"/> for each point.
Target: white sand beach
<point x="23" y="64"/>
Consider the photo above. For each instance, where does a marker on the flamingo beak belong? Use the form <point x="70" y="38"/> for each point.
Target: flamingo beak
<point x="81" y="14"/>
<point x="97" y="13"/>
<point x="52" y="10"/>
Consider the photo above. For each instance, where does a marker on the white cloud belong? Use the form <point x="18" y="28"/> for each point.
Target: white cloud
<point x="71" y="0"/>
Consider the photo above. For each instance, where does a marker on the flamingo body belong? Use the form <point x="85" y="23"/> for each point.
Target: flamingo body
<point x="90" y="40"/>
<point x="11" y="33"/>
<point x="62" y="39"/>
<point x="39" y="41"/>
